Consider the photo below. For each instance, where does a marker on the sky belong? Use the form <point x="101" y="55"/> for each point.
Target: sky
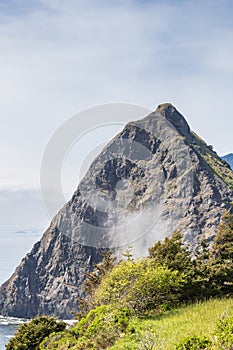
<point x="58" y="58"/>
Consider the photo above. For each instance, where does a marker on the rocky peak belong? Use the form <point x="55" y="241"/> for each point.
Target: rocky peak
<point x="174" y="117"/>
<point x="152" y="178"/>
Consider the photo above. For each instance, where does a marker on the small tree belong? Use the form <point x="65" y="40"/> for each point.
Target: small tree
<point x="127" y="254"/>
<point x="94" y="278"/>
<point x="222" y="248"/>
<point x="220" y="265"/>
<point x="92" y="281"/>
<point x="172" y="253"/>
<point x="31" y="334"/>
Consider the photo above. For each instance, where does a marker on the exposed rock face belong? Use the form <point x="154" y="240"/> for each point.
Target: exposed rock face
<point x="229" y="159"/>
<point x="154" y="177"/>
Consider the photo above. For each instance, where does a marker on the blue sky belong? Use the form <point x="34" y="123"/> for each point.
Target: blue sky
<point x="59" y="57"/>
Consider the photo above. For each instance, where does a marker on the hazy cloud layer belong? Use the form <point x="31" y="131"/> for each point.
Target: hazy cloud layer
<point x="21" y="209"/>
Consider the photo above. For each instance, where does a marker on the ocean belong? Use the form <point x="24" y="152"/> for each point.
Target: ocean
<point x="13" y="247"/>
<point x="8" y="327"/>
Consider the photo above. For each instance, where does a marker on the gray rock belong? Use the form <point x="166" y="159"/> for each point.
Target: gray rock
<point x="229" y="159"/>
<point x="156" y="176"/>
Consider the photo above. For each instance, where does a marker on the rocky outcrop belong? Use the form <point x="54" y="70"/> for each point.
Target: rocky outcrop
<point x="229" y="159"/>
<point x="154" y="177"/>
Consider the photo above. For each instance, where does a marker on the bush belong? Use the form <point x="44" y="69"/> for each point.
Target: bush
<point x="141" y="286"/>
<point x="194" y="343"/>
<point x="224" y="333"/>
<point x="98" y="330"/>
<point x="31" y="334"/>
<point x="172" y="253"/>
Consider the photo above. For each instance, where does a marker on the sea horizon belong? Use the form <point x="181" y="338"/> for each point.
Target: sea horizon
<point x="14" y="245"/>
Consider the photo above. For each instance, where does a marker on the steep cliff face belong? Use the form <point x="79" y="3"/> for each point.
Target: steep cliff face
<point x="152" y="178"/>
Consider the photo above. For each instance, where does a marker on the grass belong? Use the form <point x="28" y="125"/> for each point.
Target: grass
<point x="168" y="330"/>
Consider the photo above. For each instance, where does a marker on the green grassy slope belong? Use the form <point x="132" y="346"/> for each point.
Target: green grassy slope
<point x="166" y="331"/>
<point x="106" y="328"/>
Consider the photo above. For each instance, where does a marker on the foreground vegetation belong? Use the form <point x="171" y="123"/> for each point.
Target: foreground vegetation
<point x="170" y="300"/>
<point x="173" y="329"/>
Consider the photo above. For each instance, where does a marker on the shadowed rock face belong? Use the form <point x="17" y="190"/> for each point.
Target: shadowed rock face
<point x="154" y="177"/>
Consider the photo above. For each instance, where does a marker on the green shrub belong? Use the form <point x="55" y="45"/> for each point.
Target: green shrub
<point x="220" y="264"/>
<point x="141" y="286"/>
<point x="60" y="340"/>
<point x="31" y="334"/>
<point x="98" y="330"/>
<point x="209" y="272"/>
<point x="172" y="253"/>
<point x="194" y="343"/>
<point x="224" y="333"/>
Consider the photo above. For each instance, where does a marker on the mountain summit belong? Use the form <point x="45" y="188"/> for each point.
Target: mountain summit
<point x="154" y="177"/>
<point x="176" y="119"/>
